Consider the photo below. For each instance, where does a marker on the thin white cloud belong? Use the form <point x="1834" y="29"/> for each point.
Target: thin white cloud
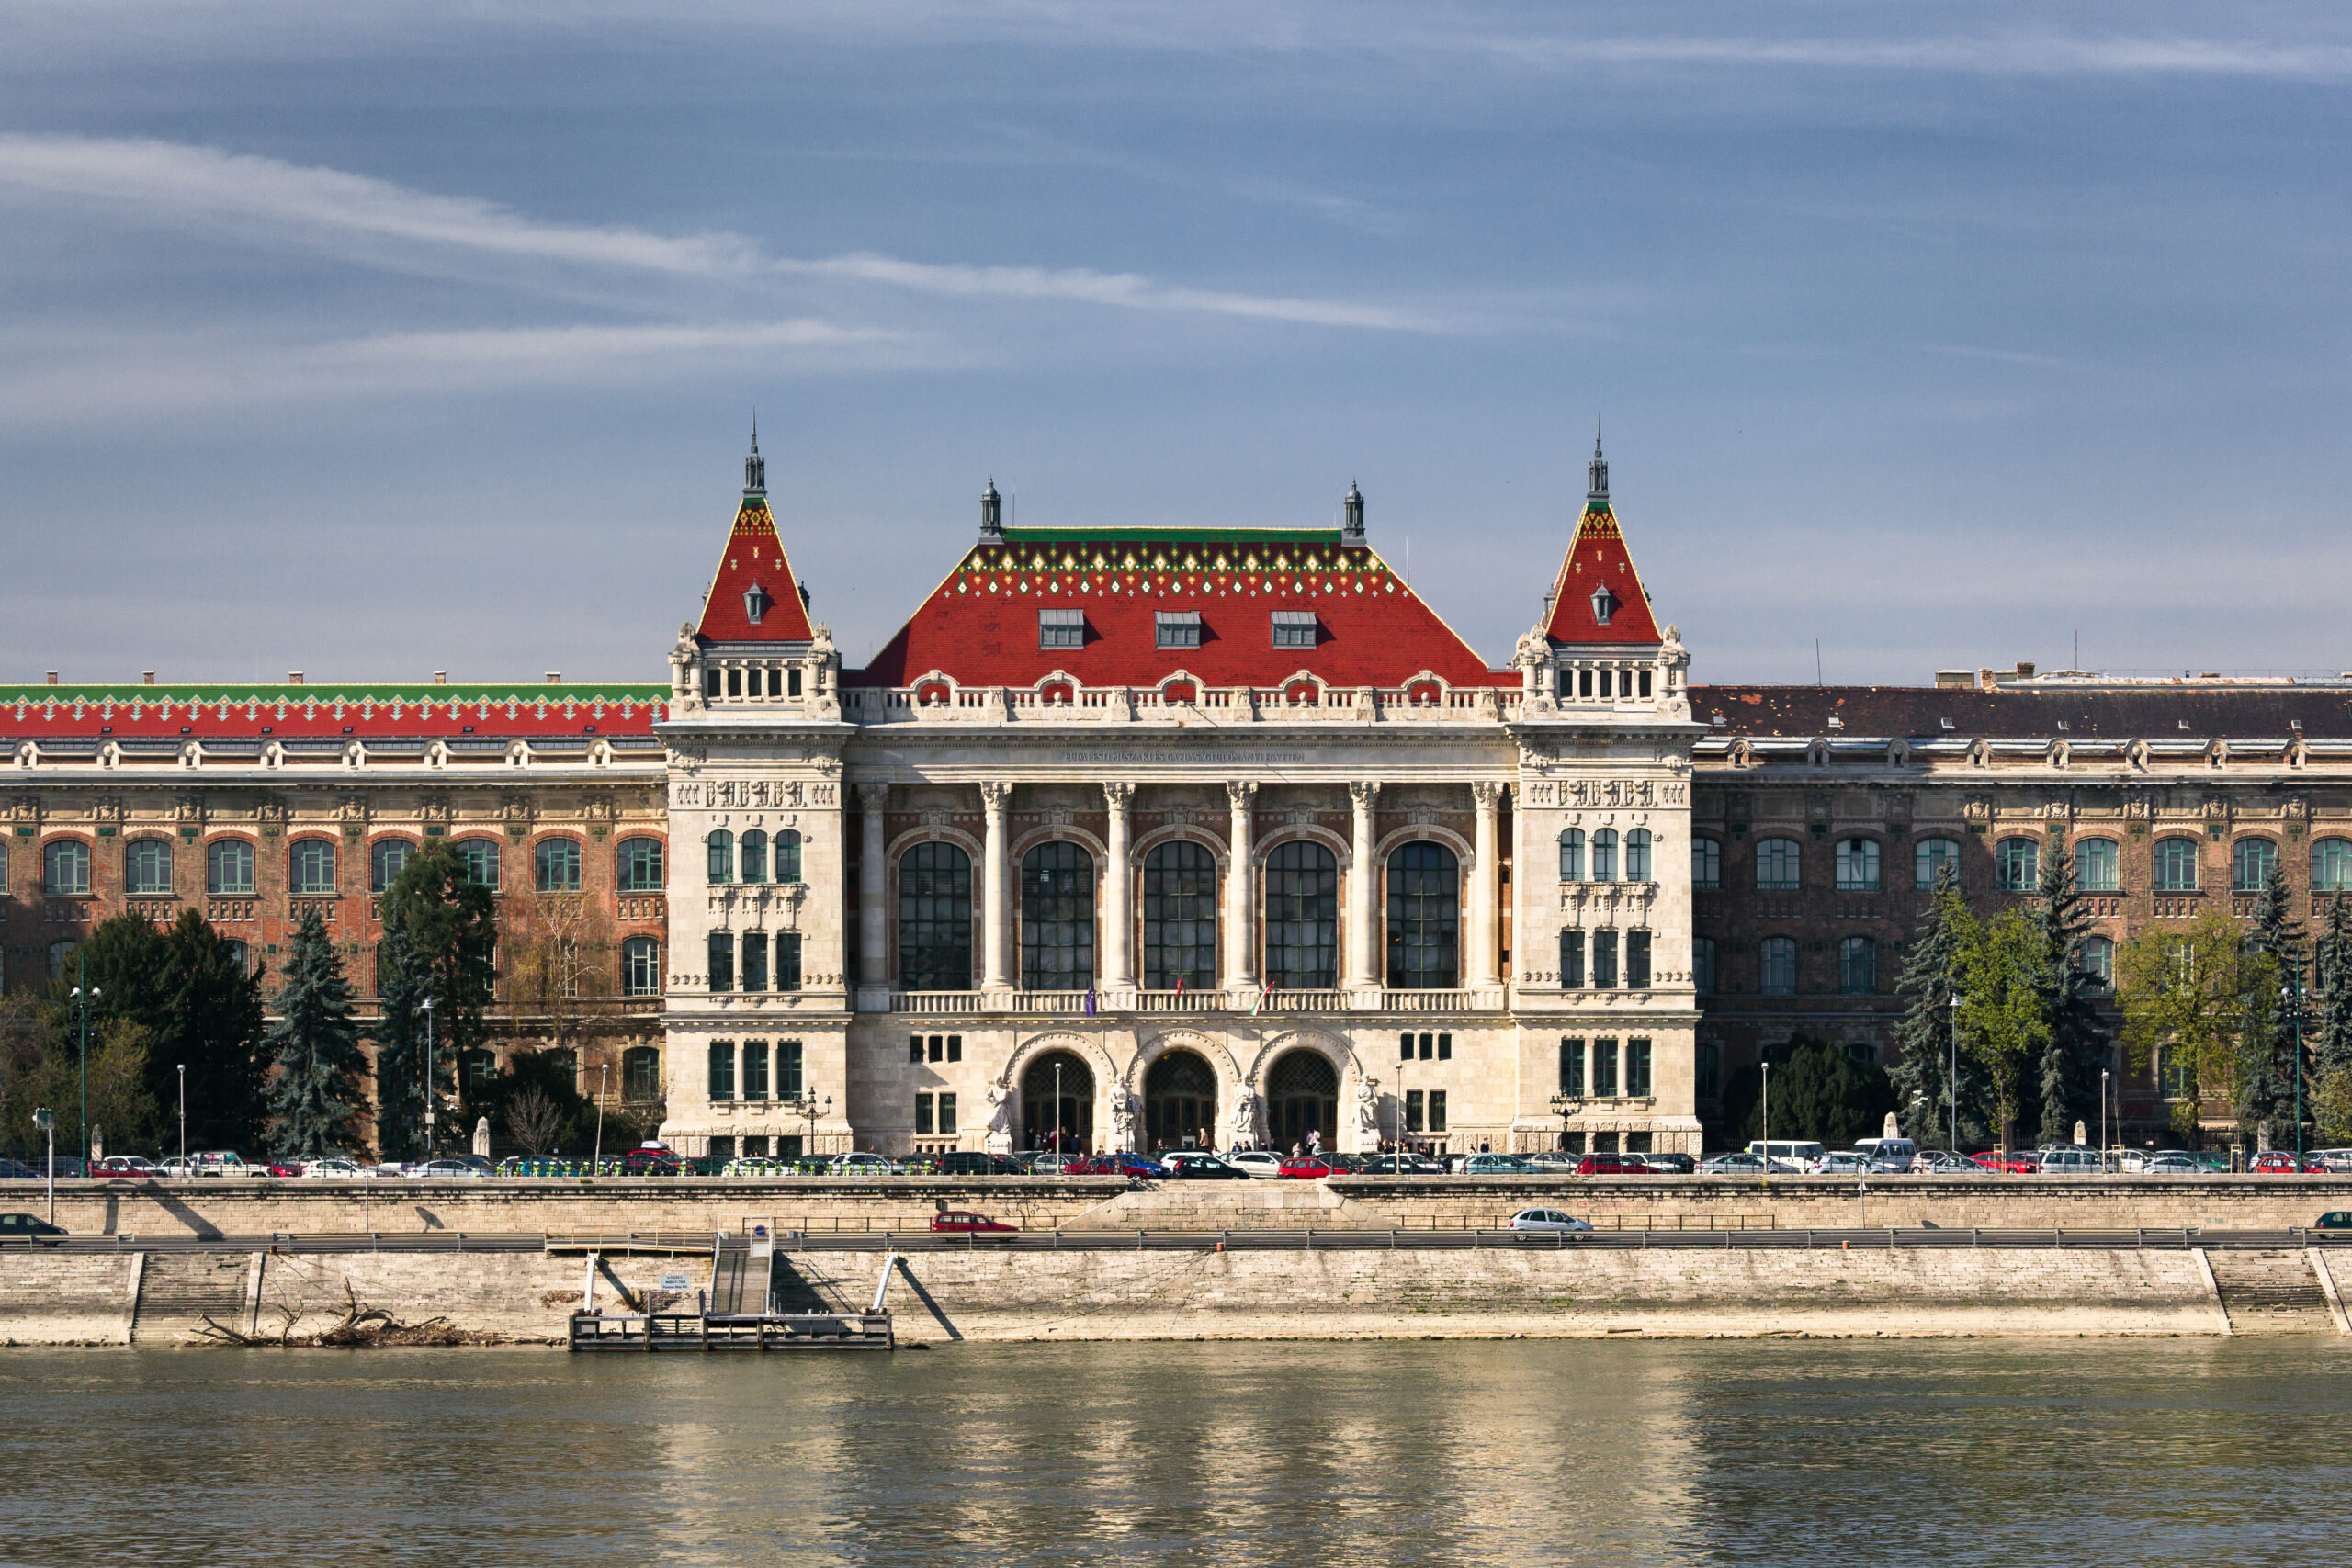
<point x="2009" y="54"/>
<point x="265" y="198"/>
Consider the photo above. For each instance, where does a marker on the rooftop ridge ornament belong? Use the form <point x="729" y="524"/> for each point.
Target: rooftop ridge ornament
<point x="1597" y="492"/>
<point x="755" y="468"/>
<point x="1351" y="531"/>
<point x="991" y="514"/>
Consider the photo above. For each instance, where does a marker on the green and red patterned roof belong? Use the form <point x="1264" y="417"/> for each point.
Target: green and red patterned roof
<point x="242" y="711"/>
<point x="754" y="559"/>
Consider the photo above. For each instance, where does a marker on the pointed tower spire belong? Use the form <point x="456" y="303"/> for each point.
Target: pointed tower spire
<point x="1597" y="599"/>
<point x="753" y="595"/>
<point x="991" y="514"/>
<point x="1351" y="531"/>
<point x="1597" y="492"/>
<point x="755" y="468"/>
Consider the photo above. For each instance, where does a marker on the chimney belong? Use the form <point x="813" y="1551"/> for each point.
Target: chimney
<point x="146" y="677"/>
<point x="293" y="677"/>
<point x="52" y="677"/>
<point x="2025" y="669"/>
<point x="555" y="677"/>
<point x="440" y="677"/>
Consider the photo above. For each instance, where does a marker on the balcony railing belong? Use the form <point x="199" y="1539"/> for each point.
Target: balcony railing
<point x="1060" y="703"/>
<point x="935" y="1004"/>
<point x="1181" y="1001"/>
<point x="1466" y="999"/>
<point x="1304" y="1001"/>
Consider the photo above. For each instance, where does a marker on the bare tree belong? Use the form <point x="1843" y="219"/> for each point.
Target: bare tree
<point x="533" y="1120"/>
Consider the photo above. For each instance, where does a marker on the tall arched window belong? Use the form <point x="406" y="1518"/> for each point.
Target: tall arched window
<point x="1779" y="864"/>
<point x="935" y="919"/>
<point x="1637" y="855"/>
<point x="147" y="867"/>
<point x="1424" y="917"/>
<point x="1179" y="917"/>
<point x="641" y="1075"/>
<point x="641" y="866"/>
<point x="1706" y="864"/>
<point x="1301" y="917"/>
<point x="1930" y="858"/>
<point x="2331" y="865"/>
<point x="556" y="865"/>
<point x="1056" y="918"/>
<point x="721" y="844"/>
<point x="1858" y="967"/>
<point x="1572" y="855"/>
<point x="1777" y="958"/>
<point x="752" y="857"/>
<point x="311" y="866"/>
<point x="2017" y="864"/>
<point x="65" y="868"/>
<point x="2176" y="865"/>
<point x="1604" y="855"/>
<point x="787" y="856"/>
<point x="642" y="966"/>
<point x="481" y="858"/>
<point x="2097" y="868"/>
<point x="386" y="860"/>
<point x="2251" y="862"/>
<point x="1858" y="865"/>
<point x="229" y="867"/>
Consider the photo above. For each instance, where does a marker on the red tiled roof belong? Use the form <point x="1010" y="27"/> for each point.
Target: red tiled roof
<point x="237" y="712"/>
<point x="754" y="557"/>
<point x="980" y="625"/>
<point x="1599" y="558"/>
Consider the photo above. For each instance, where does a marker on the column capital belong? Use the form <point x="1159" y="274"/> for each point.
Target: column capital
<point x="873" y="796"/>
<point x="1117" y="796"/>
<point x="1488" y="793"/>
<point x="1364" y="791"/>
<point x="995" y="796"/>
<point x="1242" y="792"/>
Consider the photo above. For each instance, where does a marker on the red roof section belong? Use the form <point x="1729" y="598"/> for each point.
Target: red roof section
<point x="1597" y="559"/>
<point x="980" y="626"/>
<point x="240" y="712"/>
<point x="754" y="557"/>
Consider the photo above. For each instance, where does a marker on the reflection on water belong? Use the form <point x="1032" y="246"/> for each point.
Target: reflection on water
<point x="1532" y="1451"/>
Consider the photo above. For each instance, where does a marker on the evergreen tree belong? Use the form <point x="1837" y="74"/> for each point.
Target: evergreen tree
<point x="402" y="982"/>
<point x="315" y="1047"/>
<point x="209" y="1021"/>
<point x="1818" y="1092"/>
<point x="2265" y="1085"/>
<point x="2330" y="1029"/>
<point x="451" y="925"/>
<point x="2077" y="1046"/>
<point x="1922" y="1071"/>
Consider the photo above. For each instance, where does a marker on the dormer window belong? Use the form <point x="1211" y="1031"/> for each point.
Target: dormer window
<point x="1604" y="605"/>
<point x="1177" y="628"/>
<point x="1295" y="628"/>
<point x="756" y="604"/>
<point x="1061" y="629"/>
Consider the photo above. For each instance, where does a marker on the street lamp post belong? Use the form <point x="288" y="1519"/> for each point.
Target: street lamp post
<point x="603" y="1077"/>
<point x="182" y="1068"/>
<point x="428" y="1078"/>
<point x="806" y="1106"/>
<point x="1767" y="1117"/>
<point x="2294" y="993"/>
<point x="2102" y="1119"/>
<point x="1951" y="1085"/>
<point x="46" y="1120"/>
<point x="82" y="995"/>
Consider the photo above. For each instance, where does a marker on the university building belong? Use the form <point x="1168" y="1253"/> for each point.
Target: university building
<point x="1141" y="838"/>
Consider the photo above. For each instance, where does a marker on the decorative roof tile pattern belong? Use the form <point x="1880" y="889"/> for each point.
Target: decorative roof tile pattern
<point x="753" y="572"/>
<point x="2076" y="716"/>
<point x="248" y="713"/>
<point x="980" y="626"/>
<point x="1598" y="572"/>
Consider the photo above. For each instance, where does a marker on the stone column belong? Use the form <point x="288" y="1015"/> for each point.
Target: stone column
<point x="1240" y="967"/>
<point x="1486" y="882"/>
<point x="994" y="798"/>
<point x="873" y="882"/>
<point x="1364" y="881"/>
<point x="1118" y="899"/>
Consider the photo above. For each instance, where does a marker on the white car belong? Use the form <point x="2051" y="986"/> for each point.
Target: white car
<point x="333" y="1165"/>
<point x="446" y="1169"/>
<point x="1546" y="1220"/>
<point x="863" y="1163"/>
<point x="1257" y="1162"/>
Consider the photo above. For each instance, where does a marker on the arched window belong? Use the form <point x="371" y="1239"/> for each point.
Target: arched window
<point x="1424" y="917"/>
<point x="65" y="868"/>
<point x="555" y="866"/>
<point x="1778" y="863"/>
<point x="1706" y="864"/>
<point x="386" y="860"/>
<point x="1302" y="1095"/>
<point x="1702" y="965"/>
<point x="1778" y="967"/>
<point x="1572" y="855"/>
<point x="229" y="867"/>
<point x="721" y="845"/>
<point x="480" y="857"/>
<point x="2017" y="864"/>
<point x="1180" y="1102"/>
<point x="147" y="868"/>
<point x="2251" y="862"/>
<point x="1179" y="917"/>
<point x="1858" y="967"/>
<point x="2096" y="956"/>
<point x="787" y="856"/>
<point x="641" y="1075"/>
<point x="311" y="866"/>
<point x="1056" y="918"/>
<point x="1057" y="1102"/>
<point x="1930" y="859"/>
<point x="2176" y="865"/>
<point x="1604" y="855"/>
<point x="1858" y="865"/>
<point x="641" y="866"/>
<point x="1301" y="917"/>
<point x="935" y="919"/>
<point x="2331" y="865"/>
<point x="2097" y="867"/>
<point x="1637" y="855"/>
<point x="752" y="857"/>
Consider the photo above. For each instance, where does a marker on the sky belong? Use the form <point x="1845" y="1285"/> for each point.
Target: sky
<point x="372" y="341"/>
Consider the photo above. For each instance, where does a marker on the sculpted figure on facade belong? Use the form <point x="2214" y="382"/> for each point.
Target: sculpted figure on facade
<point x="1244" y="1121"/>
<point x="999" y="1139"/>
<point x="1367" y="1113"/>
<point x="1123" y="1117"/>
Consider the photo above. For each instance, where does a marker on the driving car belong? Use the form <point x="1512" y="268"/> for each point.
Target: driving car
<point x="2334" y="1220"/>
<point x="963" y="1221"/>
<point x="1546" y="1220"/>
<point x="1205" y="1167"/>
<point x="2068" y="1159"/>
<point x="284" y="1167"/>
<point x="2282" y="1162"/>
<point x="1610" y="1164"/>
<point x="1046" y="1162"/>
<point x="1499" y="1165"/>
<point x="1888" y="1156"/>
<point x="1734" y="1164"/>
<point x="124" y="1167"/>
<point x="1943" y="1162"/>
<point x="16" y="1170"/>
<point x="1263" y="1163"/>
<point x="2009" y="1162"/>
<point x="1553" y="1162"/>
<point x="30" y="1228"/>
<point x="2335" y="1162"/>
<point x="223" y="1162"/>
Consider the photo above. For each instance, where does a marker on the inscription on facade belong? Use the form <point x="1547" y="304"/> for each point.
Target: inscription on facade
<point x="1603" y="792"/>
<point x="746" y="792"/>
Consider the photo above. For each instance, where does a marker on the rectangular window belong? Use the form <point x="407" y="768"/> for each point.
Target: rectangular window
<point x="755" y="1069"/>
<point x="1445" y="1047"/>
<point x="1645" y="683"/>
<point x="938" y="1047"/>
<point x="722" y="1147"/>
<point x="1709" y="1069"/>
<point x="1437" y="1110"/>
<point x="1572" y="1068"/>
<point x="1604" y="1069"/>
<point x="1706" y="864"/>
<point x="787" y="1069"/>
<point x="1606" y="683"/>
<point x="755" y="961"/>
<point x="2096" y="866"/>
<point x="1061" y="629"/>
<point x="722" y="1070"/>
<point x="1638" y="1068"/>
<point x="914" y="1047"/>
<point x="1571" y="960"/>
<point x="954" y="1047"/>
<point x="1177" y="628"/>
<point x="946" y="1114"/>
<point x="1637" y="960"/>
<point x="1702" y="965"/>
<point x="1295" y="628"/>
<point x="792" y="681"/>
<point x="1413" y="1111"/>
<point x="1584" y="682"/>
<point x="1405" y="1047"/>
<point x="787" y="960"/>
<point x="722" y="961"/>
<point x="710" y="683"/>
<point x="1604" y="961"/>
<point x="735" y="683"/>
<point x="922" y="1114"/>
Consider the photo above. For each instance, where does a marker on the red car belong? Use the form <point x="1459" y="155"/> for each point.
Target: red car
<point x="285" y="1167"/>
<point x="124" y="1167"/>
<point x="1309" y="1168"/>
<point x="2021" y="1163"/>
<point x="2281" y="1162"/>
<point x="963" y="1221"/>
<point x="1614" y="1165"/>
<point x="651" y="1161"/>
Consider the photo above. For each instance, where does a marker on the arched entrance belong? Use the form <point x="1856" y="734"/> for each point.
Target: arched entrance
<point x="1180" y="1102"/>
<point x="1057" y="1094"/>
<point x="1303" y="1095"/>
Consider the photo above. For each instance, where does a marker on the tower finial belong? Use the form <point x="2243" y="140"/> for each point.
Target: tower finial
<point x="991" y="514"/>
<point x="1351" y="531"/>
<point x="1598" y="471"/>
<point x="755" y="468"/>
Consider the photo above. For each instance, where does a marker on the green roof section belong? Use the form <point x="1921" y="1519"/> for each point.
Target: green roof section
<point x="1173" y="536"/>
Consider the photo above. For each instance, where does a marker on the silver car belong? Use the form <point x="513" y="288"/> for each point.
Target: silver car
<point x="1257" y="1162"/>
<point x="1546" y="1220"/>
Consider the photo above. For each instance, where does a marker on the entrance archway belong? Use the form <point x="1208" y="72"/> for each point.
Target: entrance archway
<point x="1180" y="1102"/>
<point x="1303" y="1095"/>
<point x="1058" y="1094"/>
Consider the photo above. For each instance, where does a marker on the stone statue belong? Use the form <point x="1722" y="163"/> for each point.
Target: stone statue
<point x="1368" y="1111"/>
<point x="1533" y="644"/>
<point x="481" y="1137"/>
<point x="1673" y="651"/>
<point x="1000" y="1127"/>
<point x="1123" y="1118"/>
<point x="1245" y="1118"/>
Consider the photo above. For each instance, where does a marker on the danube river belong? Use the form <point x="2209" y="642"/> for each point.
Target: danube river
<point x="2145" y="1453"/>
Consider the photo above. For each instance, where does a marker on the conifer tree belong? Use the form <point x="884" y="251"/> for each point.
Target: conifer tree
<point x="2328" y="1025"/>
<point x="315" y="1048"/>
<point x="451" y="924"/>
<point x="402" y="983"/>
<point x="1922" y="1072"/>
<point x="2075" y="1046"/>
<point x="210" y="1022"/>
<point x="2267" y="1066"/>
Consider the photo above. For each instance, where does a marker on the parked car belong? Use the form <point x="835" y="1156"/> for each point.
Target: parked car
<point x="2069" y="1161"/>
<point x="1546" y="1220"/>
<point x="1799" y="1154"/>
<point x="1205" y="1167"/>
<point x="1735" y="1164"/>
<point x="1119" y="1163"/>
<point x="1403" y="1165"/>
<point x="1554" y="1162"/>
<point x="1614" y="1165"/>
<point x="963" y="1221"/>
<point x="16" y="1170"/>
<point x="2282" y="1162"/>
<point x="284" y="1167"/>
<point x="1309" y="1168"/>
<point x="2335" y="1162"/>
<point x="59" y="1166"/>
<point x="1497" y="1165"/>
<point x="1670" y="1164"/>
<point x="1262" y="1163"/>
<point x="1047" y="1163"/>
<point x="446" y="1170"/>
<point x="30" y="1228"/>
<point x="1888" y="1156"/>
<point x="1843" y="1162"/>
<point x="1943" y="1162"/>
<point x="2211" y="1160"/>
<point x="223" y="1162"/>
<point x="2007" y="1162"/>
<point x="333" y="1166"/>
<point x="2172" y="1164"/>
<point x="974" y="1162"/>
<point x="124" y="1167"/>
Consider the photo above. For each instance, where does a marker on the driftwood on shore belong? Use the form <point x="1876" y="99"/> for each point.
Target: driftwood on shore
<point x="363" y="1327"/>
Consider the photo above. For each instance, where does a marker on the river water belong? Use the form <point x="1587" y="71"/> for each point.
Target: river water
<point x="2037" y="1454"/>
